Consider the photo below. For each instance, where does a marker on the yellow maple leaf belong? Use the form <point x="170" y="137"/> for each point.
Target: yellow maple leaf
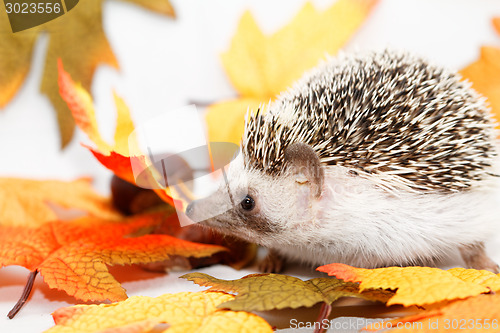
<point x="183" y="312"/>
<point x="260" y="66"/>
<point x="484" y="74"/>
<point x="77" y="38"/>
<point x="418" y="285"/>
<point x="481" y="277"/>
<point x="25" y="201"/>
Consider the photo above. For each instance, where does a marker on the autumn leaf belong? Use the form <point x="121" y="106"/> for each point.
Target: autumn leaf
<point x="481" y="277"/>
<point x="418" y="285"/>
<point x="77" y="38"/>
<point x="260" y="66"/>
<point x="263" y="292"/>
<point x="117" y="157"/>
<point x="26" y="202"/>
<point x="73" y="255"/>
<point x="484" y="74"/>
<point x="184" y="312"/>
<point x="475" y="314"/>
<point x="16" y="58"/>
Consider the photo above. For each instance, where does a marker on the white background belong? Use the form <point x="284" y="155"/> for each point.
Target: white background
<point x="167" y="63"/>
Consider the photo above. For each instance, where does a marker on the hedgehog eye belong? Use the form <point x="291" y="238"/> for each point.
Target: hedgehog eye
<point x="248" y="203"/>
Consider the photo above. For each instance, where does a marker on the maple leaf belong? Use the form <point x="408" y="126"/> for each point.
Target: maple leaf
<point x="475" y="314"/>
<point x="117" y="157"/>
<point x="263" y="292"/>
<point x="25" y="201"/>
<point x="484" y="74"/>
<point x="418" y="285"/>
<point x="73" y="256"/>
<point x="77" y="37"/>
<point x="260" y="66"/>
<point x="183" y="312"/>
<point x="481" y="277"/>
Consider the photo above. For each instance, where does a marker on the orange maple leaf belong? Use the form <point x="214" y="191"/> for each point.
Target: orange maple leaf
<point x="118" y="157"/>
<point x="73" y="256"/>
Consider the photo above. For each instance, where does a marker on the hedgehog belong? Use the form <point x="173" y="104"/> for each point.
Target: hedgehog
<point x="371" y="159"/>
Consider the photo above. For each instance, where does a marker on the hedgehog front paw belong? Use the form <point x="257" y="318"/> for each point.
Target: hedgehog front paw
<point x="475" y="257"/>
<point x="272" y="263"/>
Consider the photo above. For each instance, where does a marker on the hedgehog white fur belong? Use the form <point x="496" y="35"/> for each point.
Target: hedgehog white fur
<point x="371" y="160"/>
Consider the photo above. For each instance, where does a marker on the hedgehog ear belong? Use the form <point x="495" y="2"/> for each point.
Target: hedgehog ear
<point x="304" y="163"/>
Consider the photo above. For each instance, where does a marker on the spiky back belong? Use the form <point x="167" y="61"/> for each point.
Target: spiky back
<point x="387" y="113"/>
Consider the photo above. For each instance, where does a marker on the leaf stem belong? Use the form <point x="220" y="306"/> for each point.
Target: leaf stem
<point x="324" y="312"/>
<point x="25" y="295"/>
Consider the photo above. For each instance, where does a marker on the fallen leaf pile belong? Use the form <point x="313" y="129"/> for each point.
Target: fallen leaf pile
<point x="77" y="38"/>
<point x="452" y="294"/>
<point x="263" y="292"/>
<point x="74" y="255"/>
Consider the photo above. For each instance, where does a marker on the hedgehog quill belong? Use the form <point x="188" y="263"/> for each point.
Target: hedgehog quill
<point x="371" y="160"/>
